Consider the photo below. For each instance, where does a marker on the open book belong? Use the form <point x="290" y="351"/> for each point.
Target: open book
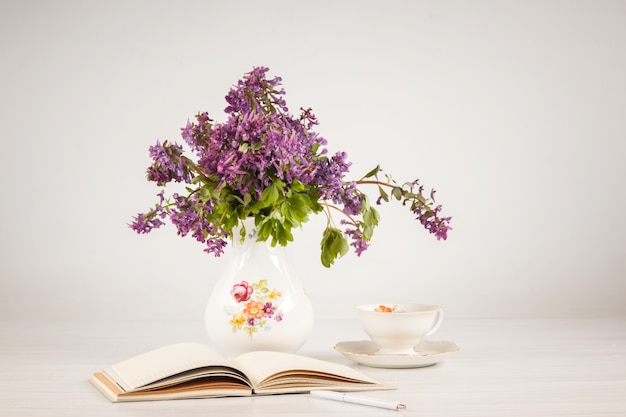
<point x="193" y="370"/>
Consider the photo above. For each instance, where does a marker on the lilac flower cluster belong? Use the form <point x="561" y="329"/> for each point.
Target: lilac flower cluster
<point x="428" y="216"/>
<point x="260" y="142"/>
<point x="190" y="216"/>
<point x="168" y="164"/>
<point x="358" y="242"/>
<point x="265" y="163"/>
<point x="144" y="223"/>
<point x="330" y="180"/>
<point x="187" y="214"/>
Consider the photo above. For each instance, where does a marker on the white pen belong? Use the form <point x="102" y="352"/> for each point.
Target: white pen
<point x="349" y="398"/>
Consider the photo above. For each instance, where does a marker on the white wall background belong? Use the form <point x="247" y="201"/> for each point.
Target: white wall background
<point x="515" y="111"/>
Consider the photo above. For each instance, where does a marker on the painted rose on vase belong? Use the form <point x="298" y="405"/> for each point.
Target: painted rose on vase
<point x="241" y="292"/>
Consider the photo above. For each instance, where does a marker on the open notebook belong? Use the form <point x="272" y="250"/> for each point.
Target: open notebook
<point x="193" y="370"/>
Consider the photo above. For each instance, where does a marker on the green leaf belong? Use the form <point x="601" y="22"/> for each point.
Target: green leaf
<point x="280" y="230"/>
<point x="297" y="186"/>
<point x="298" y="206"/>
<point x="397" y="192"/>
<point x="333" y="245"/>
<point x="371" y="216"/>
<point x="383" y="194"/>
<point x="264" y="230"/>
<point x="269" y="195"/>
<point x="233" y="197"/>
<point x="284" y="234"/>
<point x="284" y="210"/>
<point x="372" y="172"/>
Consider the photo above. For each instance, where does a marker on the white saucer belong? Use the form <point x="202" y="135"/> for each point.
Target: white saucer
<point x="427" y="353"/>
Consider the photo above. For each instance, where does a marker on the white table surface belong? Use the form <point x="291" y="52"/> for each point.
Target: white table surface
<point x="504" y="368"/>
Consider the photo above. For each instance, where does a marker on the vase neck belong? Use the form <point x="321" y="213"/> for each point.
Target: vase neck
<point x="249" y="229"/>
<point x="249" y="242"/>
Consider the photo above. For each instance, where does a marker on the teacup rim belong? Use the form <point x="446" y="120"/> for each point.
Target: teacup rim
<point x="369" y="308"/>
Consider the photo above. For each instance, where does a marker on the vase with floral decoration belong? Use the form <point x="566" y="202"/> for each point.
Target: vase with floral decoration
<point x="258" y="303"/>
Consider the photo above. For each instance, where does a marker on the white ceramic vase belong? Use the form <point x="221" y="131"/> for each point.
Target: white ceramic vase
<point x="258" y="303"/>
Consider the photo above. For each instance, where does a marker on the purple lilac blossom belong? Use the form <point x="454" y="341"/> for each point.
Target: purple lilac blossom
<point x="439" y="226"/>
<point x="260" y="144"/>
<point x="429" y="217"/>
<point x="188" y="217"/>
<point x="358" y="242"/>
<point x="168" y="164"/>
<point x="259" y="141"/>
<point x="216" y="245"/>
<point x="144" y="223"/>
<point x="329" y="178"/>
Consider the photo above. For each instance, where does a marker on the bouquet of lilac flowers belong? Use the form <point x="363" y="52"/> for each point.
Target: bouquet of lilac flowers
<point x="265" y="163"/>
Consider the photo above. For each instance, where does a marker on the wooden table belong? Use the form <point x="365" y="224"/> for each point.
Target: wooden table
<point x="504" y="368"/>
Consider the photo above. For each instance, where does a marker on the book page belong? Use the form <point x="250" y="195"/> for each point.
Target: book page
<point x="285" y="372"/>
<point x="160" y="363"/>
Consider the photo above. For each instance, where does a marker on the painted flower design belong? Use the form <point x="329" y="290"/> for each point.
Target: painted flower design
<point x="268" y="309"/>
<point x="254" y="310"/>
<point x="257" y="306"/>
<point x="241" y="292"/>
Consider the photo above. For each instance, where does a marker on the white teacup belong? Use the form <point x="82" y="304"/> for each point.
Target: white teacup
<point x="398" y="331"/>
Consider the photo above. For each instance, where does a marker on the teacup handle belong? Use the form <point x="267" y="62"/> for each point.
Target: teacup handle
<point x="437" y="323"/>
